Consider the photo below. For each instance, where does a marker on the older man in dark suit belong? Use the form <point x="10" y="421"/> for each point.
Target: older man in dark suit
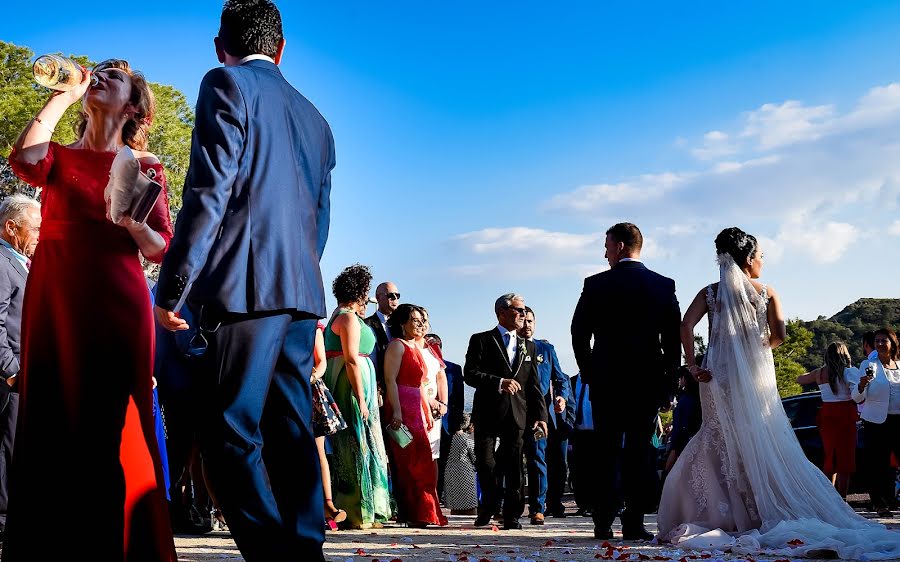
<point x="633" y="317"/>
<point x="387" y="295"/>
<point x="247" y="245"/>
<point x="502" y="368"/>
<point x="20" y="217"/>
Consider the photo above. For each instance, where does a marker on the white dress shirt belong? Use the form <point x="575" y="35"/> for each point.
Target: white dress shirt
<point x="256" y="56"/>
<point x="383" y="319"/>
<point x="511" y="340"/>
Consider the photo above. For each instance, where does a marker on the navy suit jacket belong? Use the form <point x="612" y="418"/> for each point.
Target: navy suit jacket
<point x="633" y="317"/>
<point x="549" y="372"/>
<point x="255" y="211"/>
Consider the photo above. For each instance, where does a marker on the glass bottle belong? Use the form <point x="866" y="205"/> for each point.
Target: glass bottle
<point x="56" y="72"/>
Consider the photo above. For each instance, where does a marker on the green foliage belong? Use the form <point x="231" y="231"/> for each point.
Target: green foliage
<point x="849" y="325"/>
<point x="788" y="356"/>
<point x="21" y="99"/>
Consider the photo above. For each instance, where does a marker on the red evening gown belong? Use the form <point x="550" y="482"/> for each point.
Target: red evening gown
<point x="86" y="475"/>
<point x="413" y="470"/>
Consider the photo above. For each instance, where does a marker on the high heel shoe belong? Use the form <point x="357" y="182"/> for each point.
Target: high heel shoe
<point x="333" y="515"/>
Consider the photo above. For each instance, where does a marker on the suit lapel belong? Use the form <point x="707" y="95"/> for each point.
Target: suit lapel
<point x="498" y="339"/>
<point x="520" y="357"/>
<point x="16" y="264"/>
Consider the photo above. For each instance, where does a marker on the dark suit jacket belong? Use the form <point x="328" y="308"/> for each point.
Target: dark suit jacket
<point x="456" y="397"/>
<point x="632" y="314"/>
<point x="12" y="288"/>
<point x="486" y="364"/>
<point x="255" y="211"/>
<point x="381" y="343"/>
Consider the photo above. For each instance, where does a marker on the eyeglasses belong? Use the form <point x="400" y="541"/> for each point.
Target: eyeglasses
<point x="393" y="296"/>
<point x="520" y="311"/>
<point x="880" y="340"/>
<point x="417" y="322"/>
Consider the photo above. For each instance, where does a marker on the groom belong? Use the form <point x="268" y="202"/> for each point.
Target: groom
<point x="246" y="249"/>
<point x="633" y="317"/>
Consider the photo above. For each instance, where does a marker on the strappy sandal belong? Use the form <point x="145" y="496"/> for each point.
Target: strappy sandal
<point x="333" y="516"/>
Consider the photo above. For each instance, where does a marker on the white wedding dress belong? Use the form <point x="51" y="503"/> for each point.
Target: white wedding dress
<point x="743" y="483"/>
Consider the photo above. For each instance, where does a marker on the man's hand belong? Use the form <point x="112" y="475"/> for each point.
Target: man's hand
<point x="542" y="425"/>
<point x="509" y="386"/>
<point x="560" y="405"/>
<point x="11" y="381"/>
<point x="700" y="375"/>
<point x="169" y="320"/>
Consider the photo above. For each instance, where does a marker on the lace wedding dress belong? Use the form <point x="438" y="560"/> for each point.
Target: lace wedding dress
<point x="743" y="483"/>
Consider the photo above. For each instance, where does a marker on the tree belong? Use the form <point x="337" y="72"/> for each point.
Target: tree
<point x="21" y="98"/>
<point x="787" y="358"/>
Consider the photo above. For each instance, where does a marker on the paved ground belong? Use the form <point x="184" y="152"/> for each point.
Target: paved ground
<point x="560" y="540"/>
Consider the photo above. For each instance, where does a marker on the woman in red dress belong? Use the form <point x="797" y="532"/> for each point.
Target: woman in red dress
<point x="86" y="452"/>
<point x="406" y="366"/>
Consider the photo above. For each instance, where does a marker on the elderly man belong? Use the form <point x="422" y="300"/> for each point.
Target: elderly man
<point x="388" y="297"/>
<point x="502" y="368"/>
<point x="21" y="219"/>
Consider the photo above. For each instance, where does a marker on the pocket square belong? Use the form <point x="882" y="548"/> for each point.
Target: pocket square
<point x="527" y="358"/>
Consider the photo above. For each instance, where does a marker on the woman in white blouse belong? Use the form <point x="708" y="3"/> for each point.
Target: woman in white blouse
<point x="879" y="386"/>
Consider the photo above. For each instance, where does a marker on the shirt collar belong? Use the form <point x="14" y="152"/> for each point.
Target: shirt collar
<point x="630" y="259"/>
<point x="381" y="317"/>
<point x="255" y="56"/>
<point x="504" y="331"/>
<point x="21" y="257"/>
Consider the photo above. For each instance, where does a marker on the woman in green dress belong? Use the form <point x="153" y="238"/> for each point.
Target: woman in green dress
<point x="358" y="464"/>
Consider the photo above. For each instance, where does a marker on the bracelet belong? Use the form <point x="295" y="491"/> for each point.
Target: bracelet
<point x="44" y="125"/>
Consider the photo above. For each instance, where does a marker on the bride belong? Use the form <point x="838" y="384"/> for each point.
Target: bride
<point x="743" y="483"/>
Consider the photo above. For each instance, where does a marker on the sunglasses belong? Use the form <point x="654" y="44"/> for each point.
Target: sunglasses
<point x="393" y="296"/>
<point x="520" y="311"/>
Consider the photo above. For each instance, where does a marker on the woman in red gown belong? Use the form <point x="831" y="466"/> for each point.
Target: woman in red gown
<point x="86" y="467"/>
<point x="414" y="471"/>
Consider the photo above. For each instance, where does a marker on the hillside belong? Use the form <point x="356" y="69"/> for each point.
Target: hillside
<point x="848" y="326"/>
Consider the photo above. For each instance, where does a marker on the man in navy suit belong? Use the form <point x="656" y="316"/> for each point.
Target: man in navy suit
<point x="251" y="231"/>
<point x="633" y="317"/>
<point x="547" y="457"/>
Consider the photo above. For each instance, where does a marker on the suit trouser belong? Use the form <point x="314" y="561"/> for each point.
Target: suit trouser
<point x="622" y="435"/>
<point x="557" y="467"/>
<point x="500" y="469"/>
<point x="881" y="440"/>
<point x="584" y="464"/>
<point x="446" y="439"/>
<point x="258" y="369"/>
<point x="8" y="417"/>
<point x="536" y="461"/>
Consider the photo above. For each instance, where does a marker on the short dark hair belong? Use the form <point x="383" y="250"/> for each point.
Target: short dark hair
<point x="352" y="284"/>
<point x="891" y="335"/>
<point x="401" y="316"/>
<point x="736" y="243"/>
<point x="250" y="27"/>
<point x="869" y="339"/>
<point x="628" y="234"/>
<point x="528" y="310"/>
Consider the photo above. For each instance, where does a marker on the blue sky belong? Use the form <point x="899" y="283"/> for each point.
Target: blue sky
<point x="485" y="147"/>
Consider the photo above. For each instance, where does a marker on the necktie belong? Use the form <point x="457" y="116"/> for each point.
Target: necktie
<point x="510" y="347"/>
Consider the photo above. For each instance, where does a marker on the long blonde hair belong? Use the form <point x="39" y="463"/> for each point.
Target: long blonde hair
<point x="837" y="358"/>
<point x="136" y="132"/>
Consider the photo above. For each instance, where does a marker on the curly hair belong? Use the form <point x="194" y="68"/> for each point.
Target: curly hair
<point x="352" y="284"/>
<point x="136" y="131"/>
<point x="737" y="243"/>
<point x="250" y="27"/>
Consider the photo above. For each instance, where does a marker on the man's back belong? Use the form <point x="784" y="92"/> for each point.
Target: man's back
<point x="258" y="194"/>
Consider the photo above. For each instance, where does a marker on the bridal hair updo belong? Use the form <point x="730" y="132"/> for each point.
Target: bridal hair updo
<point x="737" y="243"/>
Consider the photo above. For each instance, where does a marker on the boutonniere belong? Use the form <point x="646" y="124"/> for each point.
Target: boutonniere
<point x="540" y="358"/>
<point x="522" y="349"/>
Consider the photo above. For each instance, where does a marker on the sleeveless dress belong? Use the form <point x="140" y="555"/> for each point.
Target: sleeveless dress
<point x="359" y="481"/>
<point x="413" y="472"/>
<point x="743" y="483"/>
<point x="86" y="439"/>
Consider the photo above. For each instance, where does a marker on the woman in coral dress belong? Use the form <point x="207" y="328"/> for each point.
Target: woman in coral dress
<point x="407" y="363"/>
<point x="85" y="444"/>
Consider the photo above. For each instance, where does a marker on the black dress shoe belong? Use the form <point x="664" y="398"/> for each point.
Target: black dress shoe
<point x="636" y="534"/>
<point x="482" y="520"/>
<point x="603" y="534"/>
<point x="557" y="512"/>
<point x="511" y="524"/>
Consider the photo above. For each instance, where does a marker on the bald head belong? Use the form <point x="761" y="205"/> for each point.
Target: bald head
<point x="388" y="297"/>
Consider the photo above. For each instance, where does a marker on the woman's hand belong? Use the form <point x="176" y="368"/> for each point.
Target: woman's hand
<point x="363" y="410"/>
<point x="435" y="405"/>
<point x="700" y="375"/>
<point x="396" y="422"/>
<point x="76" y="93"/>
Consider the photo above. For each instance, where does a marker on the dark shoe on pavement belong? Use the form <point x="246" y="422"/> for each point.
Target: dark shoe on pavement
<point x="636" y="534"/>
<point x="603" y="534"/>
<point x="557" y="512"/>
<point x="537" y="519"/>
<point x="511" y="525"/>
<point x="482" y="520"/>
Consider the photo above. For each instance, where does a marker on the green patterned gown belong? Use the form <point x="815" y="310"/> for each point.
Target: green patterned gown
<point x="359" y="480"/>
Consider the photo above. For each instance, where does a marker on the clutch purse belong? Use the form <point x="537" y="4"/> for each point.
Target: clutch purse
<point x="402" y="436"/>
<point x="148" y="192"/>
<point x="129" y="190"/>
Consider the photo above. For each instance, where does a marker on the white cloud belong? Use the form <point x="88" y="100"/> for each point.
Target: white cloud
<point x="820" y="242"/>
<point x="523" y="239"/>
<point x="716" y="144"/>
<point x="774" y="125"/>
<point x="894" y="229"/>
<point x="648" y="187"/>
